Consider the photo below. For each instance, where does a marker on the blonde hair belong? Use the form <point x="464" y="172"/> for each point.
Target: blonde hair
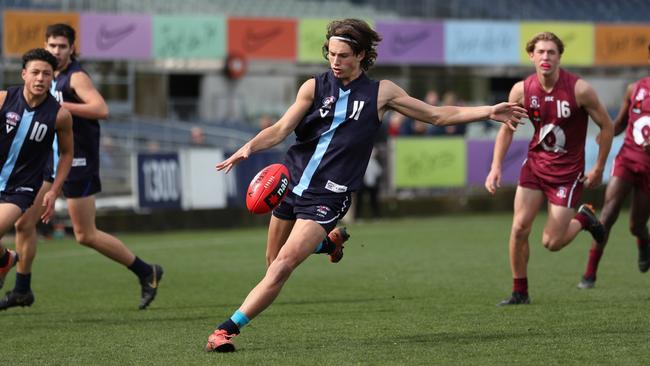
<point x="545" y="36"/>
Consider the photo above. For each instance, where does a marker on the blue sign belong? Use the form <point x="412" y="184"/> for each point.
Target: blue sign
<point x="481" y="43"/>
<point x="159" y="181"/>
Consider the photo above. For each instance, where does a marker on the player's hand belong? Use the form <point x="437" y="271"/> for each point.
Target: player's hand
<point x="493" y="180"/>
<point x="508" y="113"/>
<point x="48" y="203"/>
<point x="593" y="178"/>
<point x="241" y="154"/>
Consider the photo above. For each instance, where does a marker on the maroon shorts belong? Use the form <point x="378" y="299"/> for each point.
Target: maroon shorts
<point x="563" y="193"/>
<point x="630" y="171"/>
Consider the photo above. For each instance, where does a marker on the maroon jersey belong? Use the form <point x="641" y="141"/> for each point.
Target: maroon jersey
<point x="556" y="152"/>
<point x="638" y="125"/>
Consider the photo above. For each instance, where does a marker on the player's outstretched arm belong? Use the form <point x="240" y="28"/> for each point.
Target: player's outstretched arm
<point x="66" y="148"/>
<point x="393" y="97"/>
<point x="587" y="98"/>
<point x="275" y="134"/>
<point x="502" y="143"/>
<point x="93" y="105"/>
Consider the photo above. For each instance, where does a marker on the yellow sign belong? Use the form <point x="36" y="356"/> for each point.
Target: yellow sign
<point x="578" y="39"/>
<point x="24" y="30"/>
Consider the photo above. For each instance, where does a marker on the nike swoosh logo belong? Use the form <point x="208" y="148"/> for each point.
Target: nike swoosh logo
<point x="107" y="38"/>
<point x="405" y="42"/>
<point x="154" y="284"/>
<point x="253" y="41"/>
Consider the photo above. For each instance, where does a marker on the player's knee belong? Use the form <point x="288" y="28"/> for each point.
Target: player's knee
<point x="552" y="244"/>
<point x="84" y="238"/>
<point x="23" y="227"/>
<point x="280" y="270"/>
<point x="520" y="231"/>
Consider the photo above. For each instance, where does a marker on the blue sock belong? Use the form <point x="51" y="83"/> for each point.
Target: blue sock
<point x="326" y="246"/>
<point x="240" y="319"/>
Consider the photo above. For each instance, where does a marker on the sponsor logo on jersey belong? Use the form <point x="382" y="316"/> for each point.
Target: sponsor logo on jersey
<point x="79" y="162"/>
<point x="336" y="188"/>
<point x="548" y="98"/>
<point x="12" y="119"/>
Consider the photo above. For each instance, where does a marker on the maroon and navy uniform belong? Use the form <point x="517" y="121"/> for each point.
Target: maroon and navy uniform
<point x="333" y="145"/>
<point x="26" y="137"/>
<point x="632" y="163"/>
<point x="83" y="179"/>
<point x="556" y="154"/>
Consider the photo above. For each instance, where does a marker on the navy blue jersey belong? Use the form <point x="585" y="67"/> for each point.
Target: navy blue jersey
<point x="85" y="131"/>
<point x="26" y="137"/>
<point x="335" y="138"/>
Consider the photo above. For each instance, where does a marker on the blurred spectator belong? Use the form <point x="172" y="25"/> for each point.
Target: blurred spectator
<point x="419" y="128"/>
<point x="370" y="187"/>
<point x="431" y="97"/>
<point x="395" y="124"/>
<point x="197" y="136"/>
<point x="153" y="146"/>
<point x="107" y="155"/>
<point x="266" y="121"/>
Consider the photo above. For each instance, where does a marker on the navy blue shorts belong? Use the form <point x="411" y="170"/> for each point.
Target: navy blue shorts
<point x="82" y="188"/>
<point x="326" y="211"/>
<point x="24" y="200"/>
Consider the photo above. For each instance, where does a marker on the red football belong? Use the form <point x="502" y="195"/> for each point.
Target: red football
<point x="267" y="189"/>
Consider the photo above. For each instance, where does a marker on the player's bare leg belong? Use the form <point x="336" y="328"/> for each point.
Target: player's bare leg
<point x="278" y="233"/>
<point x="639" y="215"/>
<point x="615" y="194"/>
<point x="82" y="213"/>
<point x="560" y="228"/>
<point x="9" y="213"/>
<point x="26" y="242"/>
<point x="304" y="238"/>
<point x="526" y="206"/>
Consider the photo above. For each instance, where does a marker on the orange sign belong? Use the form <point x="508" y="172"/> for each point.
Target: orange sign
<point x="618" y="45"/>
<point x="24" y="30"/>
<point x="262" y="38"/>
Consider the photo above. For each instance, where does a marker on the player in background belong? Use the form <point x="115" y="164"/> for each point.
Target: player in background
<point x="335" y="117"/>
<point x="630" y="173"/>
<point x="74" y="89"/>
<point x="559" y="105"/>
<point x="32" y="119"/>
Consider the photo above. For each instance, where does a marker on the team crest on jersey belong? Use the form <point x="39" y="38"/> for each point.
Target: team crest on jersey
<point x="11" y="121"/>
<point x="636" y="108"/>
<point x="561" y="192"/>
<point x="327" y="105"/>
<point x="534" y="102"/>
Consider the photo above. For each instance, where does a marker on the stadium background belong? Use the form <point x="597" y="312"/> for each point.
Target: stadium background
<point x="169" y="71"/>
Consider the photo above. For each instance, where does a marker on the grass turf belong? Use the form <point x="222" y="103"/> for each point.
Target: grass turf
<point x="410" y="291"/>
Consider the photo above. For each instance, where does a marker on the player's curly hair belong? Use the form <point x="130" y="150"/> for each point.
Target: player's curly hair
<point x="545" y="36"/>
<point x="39" y="54"/>
<point x="362" y="38"/>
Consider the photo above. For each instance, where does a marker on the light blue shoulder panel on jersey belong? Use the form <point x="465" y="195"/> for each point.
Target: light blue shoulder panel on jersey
<point x="340" y="111"/>
<point x="14" y="150"/>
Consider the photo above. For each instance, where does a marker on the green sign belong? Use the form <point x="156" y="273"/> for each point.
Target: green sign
<point x="189" y="37"/>
<point x="429" y="162"/>
<point x="311" y="36"/>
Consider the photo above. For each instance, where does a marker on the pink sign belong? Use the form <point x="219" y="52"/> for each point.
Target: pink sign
<point x="115" y="36"/>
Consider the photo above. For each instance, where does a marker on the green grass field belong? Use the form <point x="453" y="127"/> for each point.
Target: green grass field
<point x="410" y="291"/>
